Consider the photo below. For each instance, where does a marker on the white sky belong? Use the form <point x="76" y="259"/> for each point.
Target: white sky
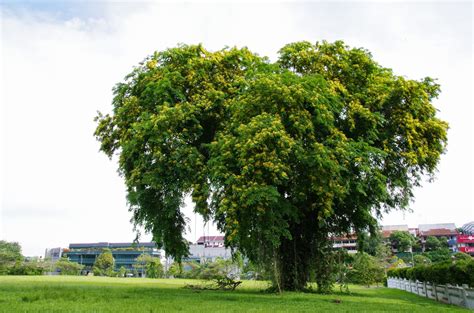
<point x="59" y="63"/>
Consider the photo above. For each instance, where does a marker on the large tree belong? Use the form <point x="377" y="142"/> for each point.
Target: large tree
<point x="281" y="155"/>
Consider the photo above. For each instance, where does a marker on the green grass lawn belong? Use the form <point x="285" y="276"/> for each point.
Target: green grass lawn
<point x="101" y="294"/>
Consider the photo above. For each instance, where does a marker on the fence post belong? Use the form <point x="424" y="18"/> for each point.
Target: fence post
<point x="435" y="292"/>
<point x="447" y="293"/>
<point x="464" y="296"/>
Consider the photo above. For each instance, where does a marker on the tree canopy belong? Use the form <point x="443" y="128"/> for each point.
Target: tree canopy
<point x="104" y="264"/>
<point x="281" y="155"/>
<point x="432" y="243"/>
<point x="149" y="265"/>
<point x="66" y="267"/>
<point x="10" y="253"/>
<point x="402" y="240"/>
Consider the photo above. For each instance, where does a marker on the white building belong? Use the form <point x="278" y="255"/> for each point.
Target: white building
<point x="209" y="248"/>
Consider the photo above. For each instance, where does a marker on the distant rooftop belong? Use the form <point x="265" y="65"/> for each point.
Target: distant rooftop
<point x="204" y="239"/>
<point x="426" y="227"/>
<point x="439" y="232"/>
<point x="468" y="228"/>
<point x="111" y="245"/>
<point x="394" y="227"/>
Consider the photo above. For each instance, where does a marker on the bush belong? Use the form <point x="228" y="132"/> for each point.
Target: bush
<point x="454" y="273"/>
<point x="366" y="270"/>
<point x="458" y="256"/>
<point x="67" y="267"/>
<point x="440" y="255"/>
<point x="149" y="265"/>
<point x="27" y="268"/>
<point x="420" y="259"/>
<point x="122" y="272"/>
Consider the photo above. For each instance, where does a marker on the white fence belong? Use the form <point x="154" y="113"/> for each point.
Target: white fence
<point x="461" y="296"/>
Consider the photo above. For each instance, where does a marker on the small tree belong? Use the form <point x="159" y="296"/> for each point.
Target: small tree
<point x="366" y="270"/>
<point x="154" y="268"/>
<point x="432" y="243"/>
<point x="122" y="271"/>
<point x="104" y="264"/>
<point x="67" y="267"/>
<point x="175" y="270"/>
<point x="149" y="265"/>
<point x="402" y="240"/>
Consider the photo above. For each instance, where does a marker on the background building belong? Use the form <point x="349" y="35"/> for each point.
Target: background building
<point x="456" y="241"/>
<point x="208" y="248"/>
<point x="346" y="242"/>
<point x="125" y="254"/>
<point x="53" y="254"/>
<point x="446" y="231"/>
<point x="387" y="230"/>
<point x="465" y="241"/>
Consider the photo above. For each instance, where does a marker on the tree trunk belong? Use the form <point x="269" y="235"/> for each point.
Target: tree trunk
<point x="295" y="262"/>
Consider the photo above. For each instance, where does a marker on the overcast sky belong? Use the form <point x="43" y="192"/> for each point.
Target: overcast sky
<point x="59" y="63"/>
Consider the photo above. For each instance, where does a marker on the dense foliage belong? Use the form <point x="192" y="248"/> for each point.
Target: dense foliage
<point x="402" y="240"/>
<point x="281" y="155"/>
<point x="432" y="243"/>
<point x="12" y="262"/>
<point x="209" y="270"/>
<point x="454" y="273"/>
<point x="149" y="265"/>
<point x="10" y="254"/>
<point x="104" y="264"/>
<point x="66" y="267"/>
<point x="366" y="270"/>
<point x="28" y="268"/>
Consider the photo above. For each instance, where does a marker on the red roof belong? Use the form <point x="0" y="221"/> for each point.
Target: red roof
<point x="439" y="232"/>
<point x="210" y="239"/>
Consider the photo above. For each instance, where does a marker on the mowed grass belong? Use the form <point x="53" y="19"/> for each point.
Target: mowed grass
<point x="101" y="294"/>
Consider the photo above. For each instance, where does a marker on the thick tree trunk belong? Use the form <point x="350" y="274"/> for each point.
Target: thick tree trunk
<point x="308" y="251"/>
<point x="295" y="262"/>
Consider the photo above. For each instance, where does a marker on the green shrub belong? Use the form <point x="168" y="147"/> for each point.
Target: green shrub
<point x="67" y="267"/>
<point x="454" y="273"/>
<point x="149" y="265"/>
<point x="366" y="270"/>
<point x="27" y="268"/>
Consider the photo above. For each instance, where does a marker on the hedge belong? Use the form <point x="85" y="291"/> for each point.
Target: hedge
<point x="454" y="273"/>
